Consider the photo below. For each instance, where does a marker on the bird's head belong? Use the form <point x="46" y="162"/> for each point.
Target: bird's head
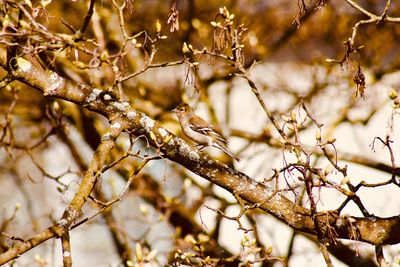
<point x="182" y="110"/>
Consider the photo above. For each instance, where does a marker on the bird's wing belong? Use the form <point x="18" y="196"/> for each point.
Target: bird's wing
<point x="203" y="127"/>
<point x="199" y="125"/>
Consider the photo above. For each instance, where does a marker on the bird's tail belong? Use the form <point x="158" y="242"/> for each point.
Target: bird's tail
<point x="223" y="147"/>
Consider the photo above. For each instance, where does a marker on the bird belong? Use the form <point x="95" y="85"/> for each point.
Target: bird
<point x="200" y="131"/>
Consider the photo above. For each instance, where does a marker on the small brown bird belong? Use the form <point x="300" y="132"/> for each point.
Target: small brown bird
<point x="201" y="131"/>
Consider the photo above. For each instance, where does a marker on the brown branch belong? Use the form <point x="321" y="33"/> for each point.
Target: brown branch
<point x="266" y="138"/>
<point x="66" y="249"/>
<point x="86" y="21"/>
<point x="73" y="211"/>
<point x="345" y="253"/>
<point x="120" y="241"/>
<point x="380" y="258"/>
<point x="371" y="18"/>
<point x="32" y="242"/>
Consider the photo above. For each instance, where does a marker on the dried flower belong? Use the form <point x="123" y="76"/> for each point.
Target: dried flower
<point x="173" y="19"/>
